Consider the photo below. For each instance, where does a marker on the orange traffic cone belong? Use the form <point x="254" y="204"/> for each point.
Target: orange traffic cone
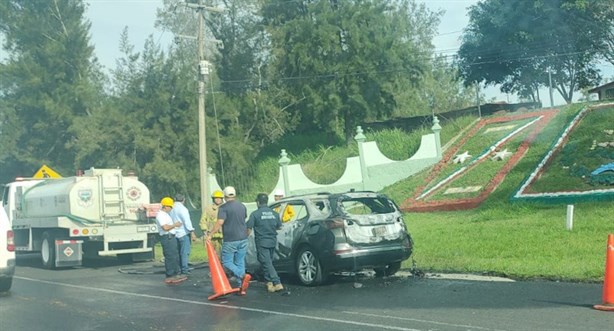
<point x="608" y="282"/>
<point x="220" y="283"/>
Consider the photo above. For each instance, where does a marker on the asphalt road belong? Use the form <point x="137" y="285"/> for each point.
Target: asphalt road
<point x="110" y="296"/>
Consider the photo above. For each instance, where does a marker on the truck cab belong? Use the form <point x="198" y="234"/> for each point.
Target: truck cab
<point x="11" y="195"/>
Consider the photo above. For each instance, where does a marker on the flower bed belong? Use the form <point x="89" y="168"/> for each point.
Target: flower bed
<point x="526" y="190"/>
<point x="435" y="182"/>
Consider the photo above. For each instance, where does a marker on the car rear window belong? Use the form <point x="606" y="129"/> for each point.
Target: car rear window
<point x="363" y="206"/>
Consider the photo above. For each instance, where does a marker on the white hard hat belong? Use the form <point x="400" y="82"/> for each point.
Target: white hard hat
<point x="230" y="191"/>
<point x="279" y="193"/>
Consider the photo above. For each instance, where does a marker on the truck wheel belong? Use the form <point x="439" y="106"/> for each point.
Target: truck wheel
<point x="48" y="250"/>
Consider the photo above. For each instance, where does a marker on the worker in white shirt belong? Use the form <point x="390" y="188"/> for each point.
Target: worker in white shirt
<point x="167" y="230"/>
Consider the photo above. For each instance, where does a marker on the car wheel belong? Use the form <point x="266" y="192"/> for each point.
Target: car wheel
<point x="308" y="268"/>
<point x="48" y="250"/>
<point x="388" y="270"/>
<point x="5" y="284"/>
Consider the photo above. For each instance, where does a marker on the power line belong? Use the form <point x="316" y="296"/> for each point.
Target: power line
<point x="390" y="70"/>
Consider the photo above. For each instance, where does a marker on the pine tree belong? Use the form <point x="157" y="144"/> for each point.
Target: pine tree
<point x="48" y="79"/>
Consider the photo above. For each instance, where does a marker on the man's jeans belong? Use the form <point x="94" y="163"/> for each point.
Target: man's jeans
<point x="185" y="244"/>
<point x="171" y="255"/>
<point x="233" y="257"/>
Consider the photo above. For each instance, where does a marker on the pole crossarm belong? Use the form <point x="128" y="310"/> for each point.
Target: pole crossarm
<point x="199" y="6"/>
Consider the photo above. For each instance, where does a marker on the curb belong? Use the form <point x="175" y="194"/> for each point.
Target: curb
<point x="480" y="278"/>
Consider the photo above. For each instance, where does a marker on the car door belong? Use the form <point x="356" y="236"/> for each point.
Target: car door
<point x="290" y="233"/>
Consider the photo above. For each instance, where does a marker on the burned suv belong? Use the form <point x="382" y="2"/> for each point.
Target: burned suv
<point x="331" y="233"/>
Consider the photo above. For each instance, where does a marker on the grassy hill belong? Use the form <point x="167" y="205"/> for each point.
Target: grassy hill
<point x="523" y="239"/>
<point x="518" y="239"/>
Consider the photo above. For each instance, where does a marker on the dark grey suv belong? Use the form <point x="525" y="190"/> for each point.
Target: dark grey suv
<point x="338" y="232"/>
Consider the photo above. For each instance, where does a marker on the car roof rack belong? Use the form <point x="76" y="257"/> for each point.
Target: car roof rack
<point x="359" y="191"/>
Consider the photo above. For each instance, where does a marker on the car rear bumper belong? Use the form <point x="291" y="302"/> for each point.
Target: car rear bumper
<point x="9" y="270"/>
<point x="366" y="257"/>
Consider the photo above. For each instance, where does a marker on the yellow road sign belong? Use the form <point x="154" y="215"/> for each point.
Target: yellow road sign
<point x="46" y="172"/>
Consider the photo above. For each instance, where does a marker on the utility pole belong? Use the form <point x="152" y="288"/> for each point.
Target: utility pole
<point x="477" y="98"/>
<point x="203" y="72"/>
<point x="550" y="87"/>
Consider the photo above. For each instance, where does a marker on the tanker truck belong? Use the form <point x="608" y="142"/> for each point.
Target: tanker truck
<point x="101" y="213"/>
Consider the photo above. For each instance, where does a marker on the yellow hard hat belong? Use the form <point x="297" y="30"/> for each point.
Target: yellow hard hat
<point x="166" y="201"/>
<point x="217" y="194"/>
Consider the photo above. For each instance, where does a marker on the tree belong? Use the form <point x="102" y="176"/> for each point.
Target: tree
<point x="515" y="43"/>
<point x="343" y="60"/>
<point x="244" y="113"/>
<point x="603" y="21"/>
<point x="242" y="58"/>
<point x="441" y="90"/>
<point x="148" y="123"/>
<point x="49" y="78"/>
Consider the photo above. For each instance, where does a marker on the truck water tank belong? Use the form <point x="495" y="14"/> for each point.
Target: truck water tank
<point x="100" y="195"/>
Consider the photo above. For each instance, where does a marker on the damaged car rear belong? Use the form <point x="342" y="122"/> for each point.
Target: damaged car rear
<point x="331" y="233"/>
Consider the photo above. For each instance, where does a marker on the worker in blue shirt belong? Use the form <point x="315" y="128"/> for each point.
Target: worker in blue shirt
<point x="185" y="234"/>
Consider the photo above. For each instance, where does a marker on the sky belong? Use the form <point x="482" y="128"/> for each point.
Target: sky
<point x="109" y="17"/>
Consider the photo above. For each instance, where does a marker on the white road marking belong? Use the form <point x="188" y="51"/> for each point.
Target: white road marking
<point x="470" y="327"/>
<point x="270" y="312"/>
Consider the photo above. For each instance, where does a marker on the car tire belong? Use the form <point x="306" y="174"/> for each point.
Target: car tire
<point x="48" y="250"/>
<point x="388" y="270"/>
<point x="308" y="268"/>
<point x="5" y="284"/>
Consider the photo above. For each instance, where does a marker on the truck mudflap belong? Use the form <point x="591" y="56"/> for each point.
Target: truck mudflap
<point x="68" y="253"/>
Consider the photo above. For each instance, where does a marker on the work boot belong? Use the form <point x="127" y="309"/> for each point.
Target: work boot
<point x="270" y="287"/>
<point x="245" y="284"/>
<point x="278" y="287"/>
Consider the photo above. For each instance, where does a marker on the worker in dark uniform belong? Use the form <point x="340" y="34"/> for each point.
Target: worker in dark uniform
<point x="265" y="222"/>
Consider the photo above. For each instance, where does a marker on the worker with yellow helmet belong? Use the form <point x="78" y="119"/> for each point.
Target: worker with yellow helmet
<point x="288" y="213"/>
<point x="167" y="230"/>
<point x="209" y="218"/>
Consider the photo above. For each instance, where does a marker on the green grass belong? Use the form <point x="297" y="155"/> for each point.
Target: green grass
<point x="198" y="252"/>
<point x="519" y="241"/>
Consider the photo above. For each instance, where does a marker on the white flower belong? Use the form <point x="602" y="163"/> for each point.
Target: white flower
<point x="461" y="158"/>
<point x="500" y="156"/>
